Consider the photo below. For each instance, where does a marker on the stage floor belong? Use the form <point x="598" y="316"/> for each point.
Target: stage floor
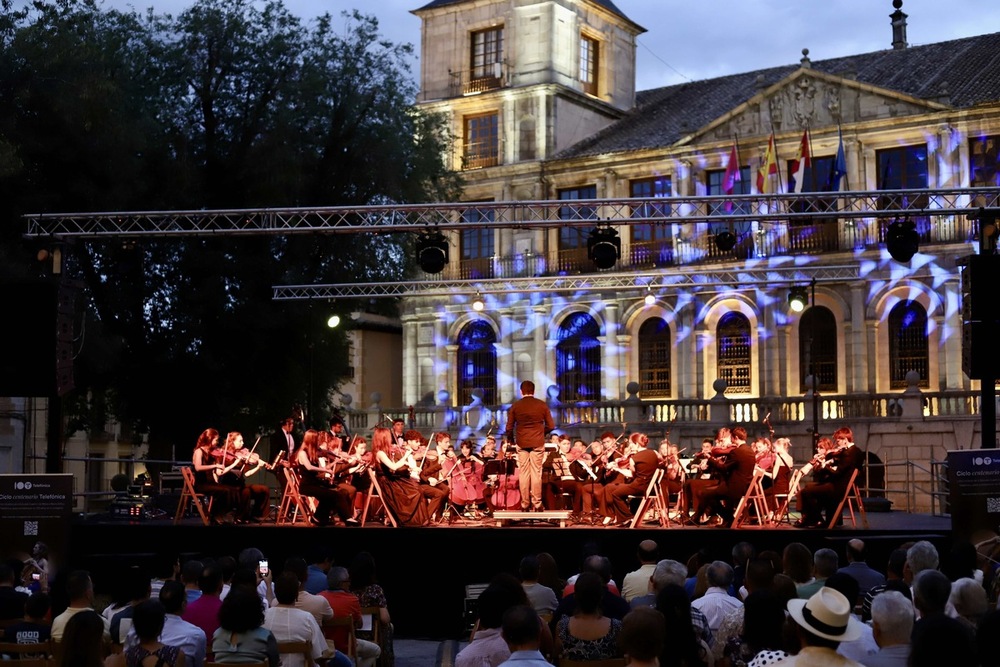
<point x="425" y="570"/>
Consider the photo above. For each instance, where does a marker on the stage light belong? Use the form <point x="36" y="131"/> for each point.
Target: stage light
<point x="333" y="322"/>
<point x="798" y="299"/>
<point x="902" y="240"/>
<point x="478" y="304"/>
<point x="432" y="252"/>
<point x="604" y="247"/>
<point x="650" y="298"/>
<point x="725" y="241"/>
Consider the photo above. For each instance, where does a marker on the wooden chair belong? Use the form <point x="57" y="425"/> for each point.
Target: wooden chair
<point x="303" y="648"/>
<point x="345" y="623"/>
<point x="293" y="506"/>
<point x="374" y="615"/>
<point x="754" y="498"/>
<point x="609" y="662"/>
<point x="652" y="499"/>
<point x="784" y="500"/>
<point x="37" y="654"/>
<point x="852" y="498"/>
<point x="202" y="502"/>
<point x="375" y="492"/>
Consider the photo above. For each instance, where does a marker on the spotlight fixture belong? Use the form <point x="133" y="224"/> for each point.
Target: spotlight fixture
<point x="604" y="247"/>
<point x="333" y="322"/>
<point x="798" y="299"/>
<point x="902" y="240"/>
<point x="478" y="304"/>
<point x="650" y="298"/>
<point x="725" y="241"/>
<point x="432" y="252"/>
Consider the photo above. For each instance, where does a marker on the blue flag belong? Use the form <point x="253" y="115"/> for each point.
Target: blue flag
<point x="839" y="167"/>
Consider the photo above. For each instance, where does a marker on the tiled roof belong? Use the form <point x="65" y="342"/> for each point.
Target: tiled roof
<point x="962" y="73"/>
<point x="606" y="4"/>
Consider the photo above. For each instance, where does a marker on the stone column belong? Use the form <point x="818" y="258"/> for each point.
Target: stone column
<point x="540" y="354"/>
<point x="441" y="365"/>
<point x="949" y="327"/>
<point x="610" y="354"/>
<point x="411" y="370"/>
<point x="770" y="377"/>
<point x="860" y="380"/>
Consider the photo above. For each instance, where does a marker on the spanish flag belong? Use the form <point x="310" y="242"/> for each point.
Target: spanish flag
<point x="768" y="168"/>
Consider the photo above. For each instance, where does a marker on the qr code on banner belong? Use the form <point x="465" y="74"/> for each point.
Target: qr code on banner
<point x="31" y="528"/>
<point x="993" y="505"/>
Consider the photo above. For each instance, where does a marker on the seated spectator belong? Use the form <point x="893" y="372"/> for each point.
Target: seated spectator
<point x="488" y="647"/>
<point x="241" y="636"/>
<point x="588" y="634"/>
<point x="176" y="631"/>
<point x="204" y="612"/>
<point x="986" y="639"/>
<point x="672" y="572"/>
<point x="716" y="603"/>
<point x="892" y="625"/>
<point x="643" y="637"/>
<point x="33" y="629"/>
<point x="11" y="600"/>
<point x="82" y="639"/>
<point x="864" y="645"/>
<point x="135" y="584"/>
<point x="148" y="618"/>
<point x="825" y="562"/>
<point x="364" y="584"/>
<point x="548" y="573"/>
<point x="345" y="603"/>
<point x="968" y="598"/>
<point x="822" y="622"/>
<point x="522" y="632"/>
<point x="636" y="583"/>
<point x="683" y="647"/>
<point x="613" y="605"/>
<point x="893" y="572"/>
<point x="80" y="589"/>
<point x="289" y="624"/>
<point x="857" y="566"/>
<point x="542" y="598"/>
<point x="763" y="618"/>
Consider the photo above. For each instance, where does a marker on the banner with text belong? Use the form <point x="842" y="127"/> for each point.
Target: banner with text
<point x="35" y="513"/>
<point x="974" y="491"/>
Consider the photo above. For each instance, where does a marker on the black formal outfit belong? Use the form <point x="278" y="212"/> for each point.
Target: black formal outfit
<point x="823" y="495"/>
<point x="645" y="462"/>
<point x="436" y="495"/>
<point x="736" y="474"/>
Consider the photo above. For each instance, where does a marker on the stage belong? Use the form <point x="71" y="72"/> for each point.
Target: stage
<point x="425" y="570"/>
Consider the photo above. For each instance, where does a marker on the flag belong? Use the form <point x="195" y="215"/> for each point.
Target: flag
<point x="799" y="165"/>
<point x="839" y="167"/>
<point x="768" y="167"/>
<point x="732" y="176"/>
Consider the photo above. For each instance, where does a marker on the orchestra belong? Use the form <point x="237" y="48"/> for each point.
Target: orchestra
<point x="424" y="481"/>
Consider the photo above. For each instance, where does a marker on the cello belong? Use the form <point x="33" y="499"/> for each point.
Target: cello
<point x="466" y="477"/>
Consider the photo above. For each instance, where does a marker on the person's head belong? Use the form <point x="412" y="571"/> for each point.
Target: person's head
<point x="227" y="565"/>
<point x="931" y="590"/>
<point x="37" y="606"/>
<point x="287" y="425"/>
<point x="648" y="552"/>
<point x="521" y="628"/>
<point x="286" y="588"/>
<point x="589" y="591"/>
<point x="739" y="434"/>
<point x="173" y="597"/>
<point x="892" y="618"/>
<point x="825" y="562"/>
<point x="643" y="634"/>
<point x="489" y="447"/>
<point x="208" y="438"/>
<point x="761" y="446"/>
<point x="921" y="556"/>
<point x="706" y="445"/>
<point x="297" y="566"/>
<point x="846" y="584"/>
<point x="598" y="564"/>
<point x="527" y="388"/>
<point x="362" y="570"/>
<point x="781" y="445"/>
<point x="413" y="439"/>
<point x="548" y="571"/>
<point x="381" y="439"/>
<point x="338" y="579"/>
<point x="843" y="436"/>
<point x="668" y="572"/>
<point x="466" y="448"/>
<point x="136" y="584"/>
<point x="250" y="557"/>
<point x="234" y="440"/>
<point x="443" y="440"/>
<point x="310" y="444"/>
<point x="608" y="440"/>
<point x="824" y="444"/>
<point x="719" y="574"/>
<point x="856" y="551"/>
<point x="191" y="572"/>
<point x="825" y="619"/>
<point x="501" y="594"/>
<point x="210" y="579"/>
<point x="638" y="441"/>
<point x="784" y="587"/>
<point x="148" y="618"/>
<point x="336" y="424"/>
<point x="969" y="599"/>
<point x="80" y="588"/>
<point x="398" y="425"/>
<point x="741" y="553"/>
<point x="763" y="618"/>
<point x="796" y="562"/>
<point x="83" y="640"/>
<point x="527" y="570"/>
<point x="723" y="437"/>
<point x="896" y="564"/>
<point x="960" y="561"/>
<point x="759" y="575"/>
<point x="241" y="611"/>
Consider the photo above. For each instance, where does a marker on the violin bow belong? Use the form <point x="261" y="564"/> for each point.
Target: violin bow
<point x="767" y="420"/>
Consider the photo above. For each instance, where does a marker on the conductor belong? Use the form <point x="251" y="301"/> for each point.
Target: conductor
<point x="529" y="419"/>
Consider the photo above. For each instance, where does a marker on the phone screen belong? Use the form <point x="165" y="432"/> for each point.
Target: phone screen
<point x="36" y="576"/>
<point x="263" y="566"/>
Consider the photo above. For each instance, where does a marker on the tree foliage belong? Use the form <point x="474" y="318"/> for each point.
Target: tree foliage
<point x="227" y="105"/>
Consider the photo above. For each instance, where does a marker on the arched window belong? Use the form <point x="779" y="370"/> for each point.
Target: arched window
<point x="734" y="365"/>
<point x="908" y="348"/>
<point x="818" y="349"/>
<point x="578" y="359"/>
<point x="654" y="358"/>
<point x="477" y="362"/>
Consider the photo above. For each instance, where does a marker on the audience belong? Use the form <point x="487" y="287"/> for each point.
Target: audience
<point x="892" y="625"/>
<point x="33" y="628"/>
<point x="241" y="636"/>
<point x="345" y="603"/>
<point x="822" y="622"/>
<point x="522" y="632"/>
<point x="82" y="639"/>
<point x="148" y="618"/>
<point x="588" y="634"/>
<point x="717" y="602"/>
<point x="364" y="584"/>
<point x="176" y="631"/>
<point x="683" y="648"/>
<point x="643" y="637"/>
<point x="80" y="590"/>
<point x="289" y="624"/>
<point x="542" y="598"/>
<point x="636" y="582"/>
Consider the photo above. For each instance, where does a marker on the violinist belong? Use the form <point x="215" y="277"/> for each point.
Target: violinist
<point x="341" y="466"/>
<point x="255" y="499"/>
<point x="823" y="495"/>
<point x="433" y="487"/>
<point x="466" y="478"/>
<point x="777" y="479"/>
<point x="673" y="471"/>
<point x="705" y="478"/>
<point x="601" y="453"/>
<point x="735" y="474"/>
<point x="398" y="436"/>
<point x="641" y="462"/>
<point x="561" y="479"/>
<point x="207" y="463"/>
<point x="314" y="477"/>
<point x="583" y="471"/>
<point x="399" y="479"/>
<point x="341" y="438"/>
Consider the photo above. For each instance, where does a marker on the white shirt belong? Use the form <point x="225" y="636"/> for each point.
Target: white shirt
<point x="716" y="604"/>
<point x="189" y="637"/>
<point x="289" y="624"/>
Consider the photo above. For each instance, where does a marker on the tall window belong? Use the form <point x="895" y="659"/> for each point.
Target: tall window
<point x="575" y="238"/>
<point x="903" y="168"/>
<point x="477" y="362"/>
<point x="815" y="233"/>
<point x="477" y="244"/>
<point x="654" y="358"/>
<point x="589" y="63"/>
<point x="908" y="345"/>
<point x="716" y="185"/>
<point x="578" y="359"/>
<point x="652" y="243"/>
<point x="487" y="53"/>
<point x="818" y="349"/>
<point x="733" y="346"/>
<point x="984" y="165"/>
<point x="482" y="141"/>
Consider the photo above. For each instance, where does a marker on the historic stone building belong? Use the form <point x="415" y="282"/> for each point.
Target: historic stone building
<point x="540" y="97"/>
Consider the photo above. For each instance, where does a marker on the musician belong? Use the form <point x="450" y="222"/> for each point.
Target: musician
<point x="399" y="479"/>
<point x="488" y="451"/>
<point x="637" y="467"/>
<point x="586" y="477"/>
<point x="398" y="437"/>
<point x="255" y="499"/>
<point x="735" y="473"/>
<point x="823" y="495"/>
<point x="283" y="447"/>
<point x="314" y="477"/>
<point x="465" y="476"/>
<point x="529" y="419"/>
<point x="561" y="478"/>
<point x="433" y="486"/>
<point x="602" y="453"/>
<point x="342" y="466"/>
<point x="339" y="432"/>
<point x="206" y="461"/>
<point x="673" y="472"/>
<point x="706" y="478"/>
<point x="777" y="478"/>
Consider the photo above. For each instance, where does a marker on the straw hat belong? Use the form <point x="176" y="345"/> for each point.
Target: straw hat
<point x="826" y="614"/>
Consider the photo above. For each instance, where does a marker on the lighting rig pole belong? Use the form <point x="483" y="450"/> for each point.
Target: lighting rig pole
<point x="811" y="348"/>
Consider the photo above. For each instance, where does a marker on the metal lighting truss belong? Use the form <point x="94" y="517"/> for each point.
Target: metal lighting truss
<point x="423" y="218"/>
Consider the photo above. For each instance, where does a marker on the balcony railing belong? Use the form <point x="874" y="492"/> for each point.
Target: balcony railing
<point x="476" y="81"/>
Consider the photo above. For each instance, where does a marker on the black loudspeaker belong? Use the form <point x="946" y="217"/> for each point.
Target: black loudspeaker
<point x="980" y="319"/>
<point x="37" y="357"/>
